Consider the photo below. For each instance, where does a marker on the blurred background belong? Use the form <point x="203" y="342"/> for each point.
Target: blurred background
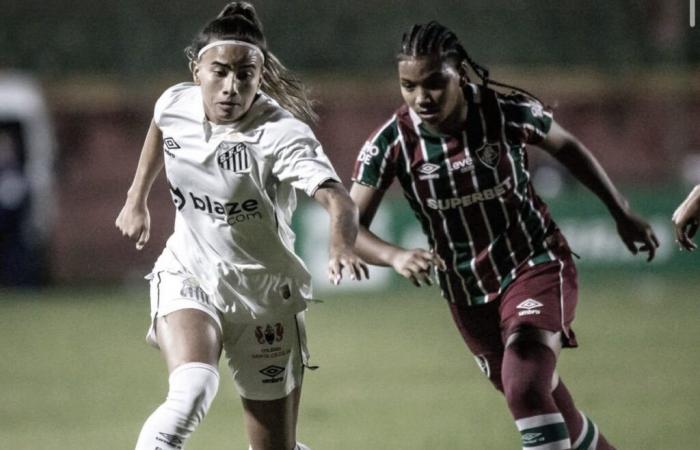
<point x="78" y="81"/>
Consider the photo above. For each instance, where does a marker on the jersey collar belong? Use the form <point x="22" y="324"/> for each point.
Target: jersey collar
<point x="238" y="127"/>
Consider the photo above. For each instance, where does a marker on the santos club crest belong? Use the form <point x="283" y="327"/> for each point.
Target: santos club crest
<point x="233" y="156"/>
<point x="489" y="154"/>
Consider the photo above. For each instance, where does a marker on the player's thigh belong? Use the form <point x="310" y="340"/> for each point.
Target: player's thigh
<point x="188" y="335"/>
<point x="266" y="357"/>
<point x="479" y="326"/>
<point x="184" y="323"/>
<point x="542" y="297"/>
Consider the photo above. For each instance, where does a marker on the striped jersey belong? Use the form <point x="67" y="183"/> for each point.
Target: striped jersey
<point x="471" y="193"/>
<point x="234" y="189"/>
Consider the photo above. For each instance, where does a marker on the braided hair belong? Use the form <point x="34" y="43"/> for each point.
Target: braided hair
<point x="434" y="39"/>
<point x="238" y="20"/>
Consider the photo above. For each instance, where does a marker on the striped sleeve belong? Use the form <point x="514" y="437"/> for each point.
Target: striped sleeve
<point x="376" y="163"/>
<point x="526" y="119"/>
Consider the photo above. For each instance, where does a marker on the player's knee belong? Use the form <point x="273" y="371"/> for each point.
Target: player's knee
<point x="526" y="340"/>
<point x="525" y="394"/>
<point x="193" y="387"/>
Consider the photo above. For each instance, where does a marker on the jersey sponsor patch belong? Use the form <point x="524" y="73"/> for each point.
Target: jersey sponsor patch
<point x="489" y="154"/>
<point x="368" y="152"/>
<point x="233" y="156"/>
<point x="463" y="165"/>
<point x="443" y="204"/>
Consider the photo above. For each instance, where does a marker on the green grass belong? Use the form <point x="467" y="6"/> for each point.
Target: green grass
<point x="76" y="372"/>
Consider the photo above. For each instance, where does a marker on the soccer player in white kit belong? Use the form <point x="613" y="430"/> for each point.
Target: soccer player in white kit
<point x="234" y="151"/>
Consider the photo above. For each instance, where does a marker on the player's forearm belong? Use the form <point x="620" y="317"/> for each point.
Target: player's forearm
<point x="586" y="168"/>
<point x="149" y="166"/>
<point x="343" y="228"/>
<point x="374" y="250"/>
<point x="343" y="214"/>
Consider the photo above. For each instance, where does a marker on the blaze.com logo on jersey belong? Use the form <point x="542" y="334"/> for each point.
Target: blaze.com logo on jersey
<point x="230" y="212"/>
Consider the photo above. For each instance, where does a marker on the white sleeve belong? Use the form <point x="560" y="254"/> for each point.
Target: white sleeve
<point x="167" y="99"/>
<point x="300" y="160"/>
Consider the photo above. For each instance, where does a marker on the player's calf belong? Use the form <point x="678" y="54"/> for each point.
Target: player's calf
<point x="192" y="388"/>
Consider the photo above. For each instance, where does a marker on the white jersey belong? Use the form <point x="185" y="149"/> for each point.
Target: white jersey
<point x="234" y="189"/>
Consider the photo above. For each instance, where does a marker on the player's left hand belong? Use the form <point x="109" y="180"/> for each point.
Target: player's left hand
<point x="637" y="234"/>
<point x="345" y="258"/>
<point x="686" y="220"/>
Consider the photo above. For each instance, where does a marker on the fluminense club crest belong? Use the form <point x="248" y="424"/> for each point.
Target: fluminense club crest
<point x="233" y="156"/>
<point x="489" y="154"/>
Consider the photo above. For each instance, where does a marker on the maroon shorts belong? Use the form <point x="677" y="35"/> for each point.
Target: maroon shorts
<point x="541" y="296"/>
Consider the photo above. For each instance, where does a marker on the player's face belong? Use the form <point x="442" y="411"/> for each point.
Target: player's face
<point x="433" y="89"/>
<point x="229" y="76"/>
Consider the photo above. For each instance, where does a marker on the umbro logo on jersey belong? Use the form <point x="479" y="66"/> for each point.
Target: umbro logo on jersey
<point x="489" y="154"/>
<point x="428" y="170"/>
<point x="233" y="156"/>
<point x="529" y="307"/>
<point x="170" y="143"/>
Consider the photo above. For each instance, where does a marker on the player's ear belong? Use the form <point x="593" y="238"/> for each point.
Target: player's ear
<point x="462" y="70"/>
<point x="194" y="68"/>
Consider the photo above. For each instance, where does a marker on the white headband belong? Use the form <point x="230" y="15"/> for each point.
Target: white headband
<point x="230" y="42"/>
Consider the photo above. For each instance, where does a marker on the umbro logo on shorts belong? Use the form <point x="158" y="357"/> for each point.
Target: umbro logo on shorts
<point x="273" y="374"/>
<point x="529" y="307"/>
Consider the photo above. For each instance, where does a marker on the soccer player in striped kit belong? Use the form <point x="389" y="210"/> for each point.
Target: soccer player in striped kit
<point x="458" y="150"/>
<point x="235" y="150"/>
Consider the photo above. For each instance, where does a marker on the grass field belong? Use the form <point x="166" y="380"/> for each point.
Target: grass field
<point x="77" y="374"/>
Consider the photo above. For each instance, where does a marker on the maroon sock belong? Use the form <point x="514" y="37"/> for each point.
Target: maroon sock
<point x="527" y="379"/>
<point x="573" y="418"/>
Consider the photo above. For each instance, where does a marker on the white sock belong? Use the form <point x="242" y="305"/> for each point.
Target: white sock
<point x="192" y="389"/>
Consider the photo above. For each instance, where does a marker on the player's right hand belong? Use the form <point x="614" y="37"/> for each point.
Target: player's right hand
<point x="134" y="221"/>
<point x="417" y="264"/>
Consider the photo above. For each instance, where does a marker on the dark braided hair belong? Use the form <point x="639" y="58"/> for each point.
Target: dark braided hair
<point x="434" y="39"/>
<point x="239" y="21"/>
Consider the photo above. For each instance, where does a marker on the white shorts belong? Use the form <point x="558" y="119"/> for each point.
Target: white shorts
<point x="266" y="357"/>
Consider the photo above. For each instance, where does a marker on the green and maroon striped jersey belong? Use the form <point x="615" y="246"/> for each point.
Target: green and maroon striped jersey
<point x="471" y="193"/>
